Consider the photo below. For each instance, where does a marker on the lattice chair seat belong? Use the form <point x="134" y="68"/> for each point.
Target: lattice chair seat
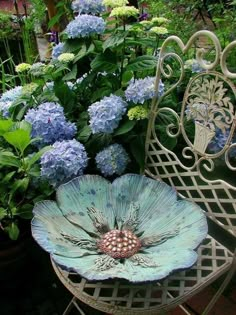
<point x="122" y="297"/>
<point x="189" y="145"/>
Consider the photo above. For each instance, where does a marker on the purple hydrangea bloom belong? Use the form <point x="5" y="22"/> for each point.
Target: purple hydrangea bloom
<point x="85" y="25"/>
<point x="57" y="50"/>
<point x="66" y="160"/>
<point x="141" y="90"/>
<point x="219" y="141"/>
<point x="112" y="160"/>
<point x="106" y="114"/>
<point x="49" y="123"/>
<point x="11" y="95"/>
<point x="88" y="6"/>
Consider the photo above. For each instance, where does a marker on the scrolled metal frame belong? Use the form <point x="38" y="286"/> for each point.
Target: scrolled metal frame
<point x="166" y="165"/>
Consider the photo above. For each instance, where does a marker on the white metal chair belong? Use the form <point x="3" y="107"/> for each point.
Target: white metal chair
<point x="192" y="170"/>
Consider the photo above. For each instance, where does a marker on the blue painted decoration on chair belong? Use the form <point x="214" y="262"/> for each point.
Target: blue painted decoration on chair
<point x="134" y="228"/>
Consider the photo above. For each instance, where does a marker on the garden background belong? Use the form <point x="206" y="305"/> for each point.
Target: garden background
<point x="57" y="107"/>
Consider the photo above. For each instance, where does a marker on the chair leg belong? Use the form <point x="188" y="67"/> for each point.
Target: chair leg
<point x="221" y="289"/>
<point x="69" y="307"/>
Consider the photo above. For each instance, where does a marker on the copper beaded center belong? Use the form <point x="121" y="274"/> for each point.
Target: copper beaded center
<point x="119" y="244"/>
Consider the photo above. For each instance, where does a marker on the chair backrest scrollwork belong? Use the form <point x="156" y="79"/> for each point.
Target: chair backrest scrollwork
<point x="199" y="158"/>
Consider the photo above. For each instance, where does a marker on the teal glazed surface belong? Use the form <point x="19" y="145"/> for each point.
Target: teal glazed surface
<point x="87" y="207"/>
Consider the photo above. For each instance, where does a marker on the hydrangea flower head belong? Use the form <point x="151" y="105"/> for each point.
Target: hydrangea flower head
<point x="4" y="108"/>
<point x="88" y="6"/>
<point x="85" y="25"/>
<point x="66" y="57"/>
<point x="159" y="20"/>
<point x="7" y="98"/>
<point x="66" y="160"/>
<point x="137" y="113"/>
<point x="22" y="67"/>
<point x="57" y="50"/>
<point x="115" y="3"/>
<point x="158" y="30"/>
<point x="106" y="114"/>
<point x="11" y="95"/>
<point x="140" y="90"/>
<point x="49" y="123"/>
<point x="194" y="66"/>
<point x="125" y="11"/>
<point x="112" y="160"/>
<point x="38" y="69"/>
<point x="146" y="24"/>
<point x="29" y="88"/>
<point x="219" y="141"/>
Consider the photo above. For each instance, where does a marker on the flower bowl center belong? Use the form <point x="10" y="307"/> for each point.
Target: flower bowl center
<point x="119" y="244"/>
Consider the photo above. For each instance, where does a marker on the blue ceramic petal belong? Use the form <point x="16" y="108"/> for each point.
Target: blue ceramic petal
<point x="165" y="263"/>
<point x="48" y="226"/>
<point x="86" y="267"/>
<point x="76" y="196"/>
<point x="152" y="196"/>
<point x="189" y="223"/>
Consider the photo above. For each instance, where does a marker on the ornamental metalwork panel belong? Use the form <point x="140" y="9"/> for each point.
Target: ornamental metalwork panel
<point x="192" y="145"/>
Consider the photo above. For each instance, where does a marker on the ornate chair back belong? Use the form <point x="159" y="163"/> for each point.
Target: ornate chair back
<point x="190" y="142"/>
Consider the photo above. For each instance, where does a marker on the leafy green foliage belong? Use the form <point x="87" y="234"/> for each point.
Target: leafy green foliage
<point x="18" y="167"/>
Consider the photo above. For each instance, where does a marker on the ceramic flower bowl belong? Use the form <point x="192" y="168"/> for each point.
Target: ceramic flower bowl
<point x="133" y="228"/>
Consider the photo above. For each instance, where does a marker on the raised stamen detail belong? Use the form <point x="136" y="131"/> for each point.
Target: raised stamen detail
<point x="119" y="244"/>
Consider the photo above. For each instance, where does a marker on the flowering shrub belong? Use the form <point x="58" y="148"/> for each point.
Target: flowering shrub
<point x="88" y="6"/>
<point x="106" y="114"/>
<point x="112" y="160"/>
<point x="23" y="67"/>
<point x="85" y="110"/>
<point x="49" y="124"/>
<point x="85" y="25"/>
<point x="141" y="90"/>
<point x="115" y="3"/>
<point x="219" y="141"/>
<point x="66" y="160"/>
<point x="11" y="95"/>
<point x="66" y="57"/>
<point x="57" y="50"/>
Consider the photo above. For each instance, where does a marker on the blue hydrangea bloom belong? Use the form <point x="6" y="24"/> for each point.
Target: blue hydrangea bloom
<point x="196" y="68"/>
<point x="106" y="114"/>
<point x="140" y="90"/>
<point x="112" y="160"/>
<point x="57" y="50"/>
<point x="11" y="95"/>
<point x="66" y="160"/>
<point x="49" y="123"/>
<point x="219" y="141"/>
<point x="88" y="6"/>
<point x="85" y="25"/>
<point x="4" y="109"/>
